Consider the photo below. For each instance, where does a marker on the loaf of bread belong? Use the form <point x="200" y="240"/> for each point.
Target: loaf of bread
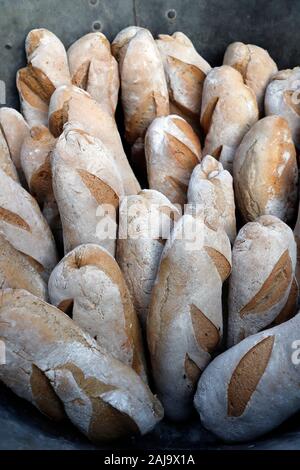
<point x="62" y="371"/>
<point x="35" y="161"/>
<point x="263" y="270"/>
<point x="23" y="225"/>
<point x="18" y="272"/>
<point x="228" y="110"/>
<point x="210" y="192"/>
<point x="6" y="163"/>
<point x="254" y="386"/>
<point x="172" y="151"/>
<point x="14" y="130"/>
<point x="256" y="66"/>
<point x="144" y="91"/>
<point x="282" y="98"/>
<point x="71" y="104"/>
<point x="265" y="171"/>
<point x="93" y="68"/>
<point x="89" y="285"/>
<point x="87" y="188"/>
<point x="47" y="70"/>
<point x="145" y="222"/>
<point x="185" y="72"/>
<point x="185" y="317"/>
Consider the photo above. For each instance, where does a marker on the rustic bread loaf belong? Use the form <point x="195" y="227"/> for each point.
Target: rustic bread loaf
<point x="282" y="98"/>
<point x="94" y="69"/>
<point x="62" y="371"/>
<point x="71" y="104"/>
<point x="144" y="89"/>
<point x="228" y="110"/>
<point x="185" y="317"/>
<point x="47" y="70"/>
<point x="88" y="284"/>
<point x="172" y="151"/>
<point x="254" y="386"/>
<point x="185" y="71"/>
<point x="14" y="130"/>
<point x="210" y="191"/>
<point x="87" y="188"/>
<point x="265" y="171"/>
<point x="145" y="222"/>
<point x="255" y="65"/>
<point x="18" y="272"/>
<point x="263" y="269"/>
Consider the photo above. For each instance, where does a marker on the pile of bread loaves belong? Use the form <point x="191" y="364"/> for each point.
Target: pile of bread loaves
<point x="146" y="268"/>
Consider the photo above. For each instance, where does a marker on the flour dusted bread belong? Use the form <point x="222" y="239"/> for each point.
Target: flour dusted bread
<point x="282" y="98"/>
<point x="254" y="386"/>
<point x="262" y="279"/>
<point x="172" y="151"/>
<point x="255" y="65"/>
<point x="71" y="104"/>
<point x="6" y="163"/>
<point x="145" y="222"/>
<point x="47" y="70"/>
<point x="62" y="371"/>
<point x="185" y="72"/>
<point x="228" y="110"/>
<point x="144" y="91"/>
<point x="265" y="171"/>
<point x="23" y="225"/>
<point x="94" y="69"/>
<point x="185" y="317"/>
<point x="87" y="188"/>
<point x="88" y="284"/>
<point x="210" y="191"/>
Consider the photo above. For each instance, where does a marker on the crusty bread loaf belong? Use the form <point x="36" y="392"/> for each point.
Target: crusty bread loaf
<point x="62" y="371"/>
<point x="172" y="151"/>
<point x="185" y="71"/>
<point x="14" y="129"/>
<point x="88" y="284"/>
<point x="35" y="161"/>
<point x="18" y="272"/>
<point x="282" y="98"/>
<point x="93" y="68"/>
<point x="228" y="110"/>
<point x="265" y="171"/>
<point x="255" y="65"/>
<point x="254" y="386"/>
<point x="263" y="269"/>
<point x="47" y="70"/>
<point x="71" y="104"/>
<point x="23" y="225"/>
<point x="185" y="318"/>
<point x="144" y="89"/>
<point x="87" y="188"/>
<point x="145" y="222"/>
<point x="210" y="191"/>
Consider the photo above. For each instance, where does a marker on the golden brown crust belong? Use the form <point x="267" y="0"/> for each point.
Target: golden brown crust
<point x="207" y="335"/>
<point x="102" y="192"/>
<point x="44" y="396"/>
<point x="221" y="263"/>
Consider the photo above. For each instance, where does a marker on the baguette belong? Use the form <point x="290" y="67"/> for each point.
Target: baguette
<point x="94" y="69"/>
<point x="211" y="191"/>
<point x="262" y="278"/>
<point x="253" y="387"/>
<point x="172" y="151"/>
<point x="185" y="318"/>
<point x="87" y="188"/>
<point x="265" y="171"/>
<point x="185" y="72"/>
<point x="255" y="65"/>
<point x="71" y="104"/>
<point x="228" y="110"/>
<point x="282" y="98"/>
<point x="62" y="371"/>
<point x="145" y="221"/>
<point x="47" y="70"/>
